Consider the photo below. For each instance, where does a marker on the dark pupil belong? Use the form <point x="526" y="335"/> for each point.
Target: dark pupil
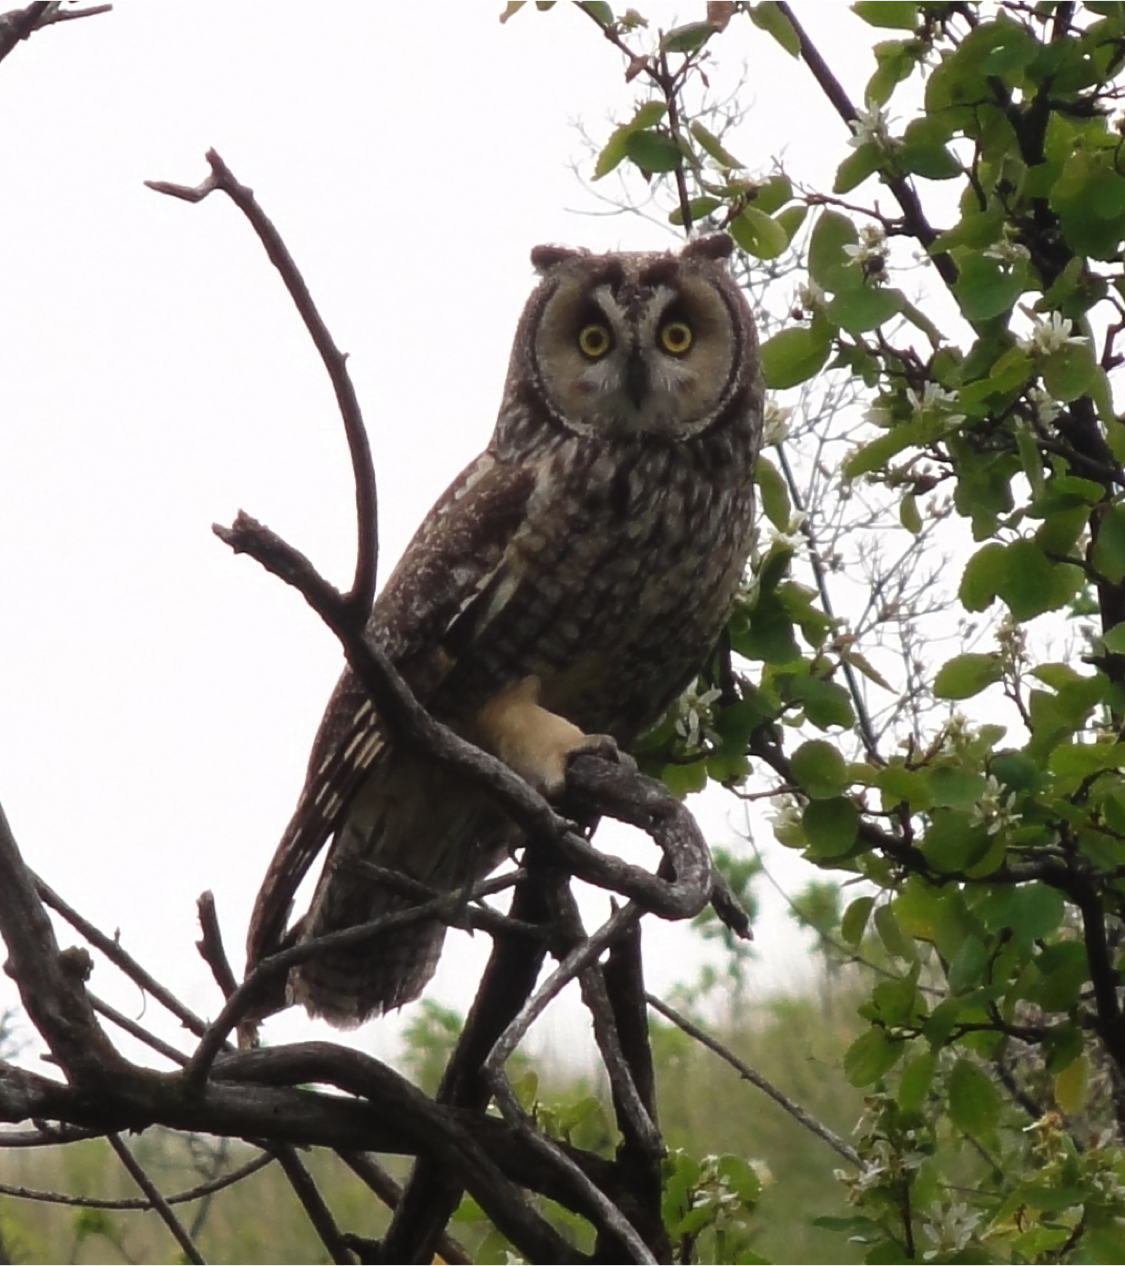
<point x="676" y="335"/>
<point x="594" y="340"/>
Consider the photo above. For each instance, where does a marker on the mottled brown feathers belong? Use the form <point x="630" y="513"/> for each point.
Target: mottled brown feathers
<point x="589" y="556"/>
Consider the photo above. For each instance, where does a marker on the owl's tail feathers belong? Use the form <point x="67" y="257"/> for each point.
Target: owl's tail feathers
<point x="348" y="986"/>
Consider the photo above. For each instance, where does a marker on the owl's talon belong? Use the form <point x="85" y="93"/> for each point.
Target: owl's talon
<point x="603" y="745"/>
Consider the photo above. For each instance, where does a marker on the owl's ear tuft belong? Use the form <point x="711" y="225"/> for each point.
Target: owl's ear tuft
<point x="544" y="258"/>
<point x="716" y="246"/>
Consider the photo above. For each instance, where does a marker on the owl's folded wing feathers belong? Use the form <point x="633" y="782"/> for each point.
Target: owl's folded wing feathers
<point x="454" y="558"/>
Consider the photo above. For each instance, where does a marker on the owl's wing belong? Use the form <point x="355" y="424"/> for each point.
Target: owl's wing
<point x="454" y="557"/>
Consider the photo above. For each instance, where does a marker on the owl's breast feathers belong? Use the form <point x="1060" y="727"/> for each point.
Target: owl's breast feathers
<point x="572" y="568"/>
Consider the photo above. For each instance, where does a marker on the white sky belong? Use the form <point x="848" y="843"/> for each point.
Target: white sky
<point x="158" y="695"/>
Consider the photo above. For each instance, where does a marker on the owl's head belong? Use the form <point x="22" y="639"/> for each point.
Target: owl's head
<point x="631" y="344"/>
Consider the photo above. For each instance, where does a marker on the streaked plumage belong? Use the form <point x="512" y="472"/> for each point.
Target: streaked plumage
<point x="596" y="545"/>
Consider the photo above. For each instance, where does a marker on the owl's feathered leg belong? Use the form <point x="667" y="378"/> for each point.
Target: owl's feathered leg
<point x="535" y="743"/>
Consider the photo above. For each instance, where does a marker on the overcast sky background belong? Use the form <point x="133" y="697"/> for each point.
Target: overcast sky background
<point x="158" y="695"/>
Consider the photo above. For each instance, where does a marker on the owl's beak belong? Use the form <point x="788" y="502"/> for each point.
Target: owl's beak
<point x="636" y="379"/>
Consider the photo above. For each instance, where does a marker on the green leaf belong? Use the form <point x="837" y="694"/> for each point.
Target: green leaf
<point x="897" y="60"/>
<point x="613" y="151"/>
<point x="900" y="785"/>
<point x="1035" y="911"/>
<point x="974" y="1104"/>
<point x="653" y="151"/>
<point x="956" y="788"/>
<point x="895" y="942"/>
<point x="772" y="194"/>
<point x="1064" y="970"/>
<point x="769" y="17"/>
<point x="827" y="257"/>
<point x="710" y="144"/>
<point x="1069" y="372"/>
<point x="871" y="1056"/>
<point x="854" y="922"/>
<point x="819" y="769"/>
<point x="699" y="208"/>
<point x="967" y="675"/>
<point x="983" y="575"/>
<point x="758" y="234"/>
<point x="825" y="703"/>
<point x="933" y="162"/>
<point x="865" y="309"/>
<point x="600" y="12"/>
<point x="985" y="288"/>
<point x="740" y="1178"/>
<point x="1028" y="585"/>
<point x="966" y="970"/>
<point x="793" y="356"/>
<point x="687" y="38"/>
<point x="682" y="780"/>
<point x="1109" y="547"/>
<point x="914" y="1084"/>
<point x="887" y="13"/>
<point x="830" y="826"/>
<point x="856" y="168"/>
<point x="774" y="493"/>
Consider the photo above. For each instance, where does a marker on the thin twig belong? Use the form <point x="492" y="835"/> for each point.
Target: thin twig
<point x="159" y="1203"/>
<point x="357" y="602"/>
<point x="19" y="24"/>
<point x="866" y="730"/>
<point x="137" y="1030"/>
<point x="122" y="959"/>
<point x="914" y="218"/>
<point x="136" y="1203"/>
<point x="755" y="1078"/>
<point x="211" y="945"/>
<point x="313" y="1203"/>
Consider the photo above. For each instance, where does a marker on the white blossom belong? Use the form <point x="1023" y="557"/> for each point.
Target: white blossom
<point x="1008" y="251"/>
<point x="934" y="399"/>
<point x="811" y="297"/>
<point x="775" y="423"/>
<point x="994" y="809"/>
<point x="950" y="1230"/>
<point x="1046" y="410"/>
<point x="872" y="245"/>
<point x="870" y="125"/>
<point x="879" y="414"/>
<point x="694" y="720"/>
<point x="1050" y="335"/>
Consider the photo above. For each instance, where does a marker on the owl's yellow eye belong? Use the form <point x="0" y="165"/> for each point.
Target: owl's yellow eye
<point x="675" y="337"/>
<point x="594" y="340"/>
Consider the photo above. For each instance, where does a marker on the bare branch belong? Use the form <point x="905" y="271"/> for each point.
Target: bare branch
<point x="356" y="604"/>
<point x="159" y="1204"/>
<point x="51" y="984"/>
<point x="137" y="1203"/>
<point x="211" y="945"/>
<point x="755" y="1078"/>
<point x="19" y="24"/>
<point x="313" y="1203"/>
<point x="121" y="958"/>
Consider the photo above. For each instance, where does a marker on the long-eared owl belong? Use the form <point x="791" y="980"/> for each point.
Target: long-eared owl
<point x="569" y="583"/>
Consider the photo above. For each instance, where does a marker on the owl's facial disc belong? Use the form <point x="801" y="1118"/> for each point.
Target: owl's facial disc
<point x="619" y="357"/>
